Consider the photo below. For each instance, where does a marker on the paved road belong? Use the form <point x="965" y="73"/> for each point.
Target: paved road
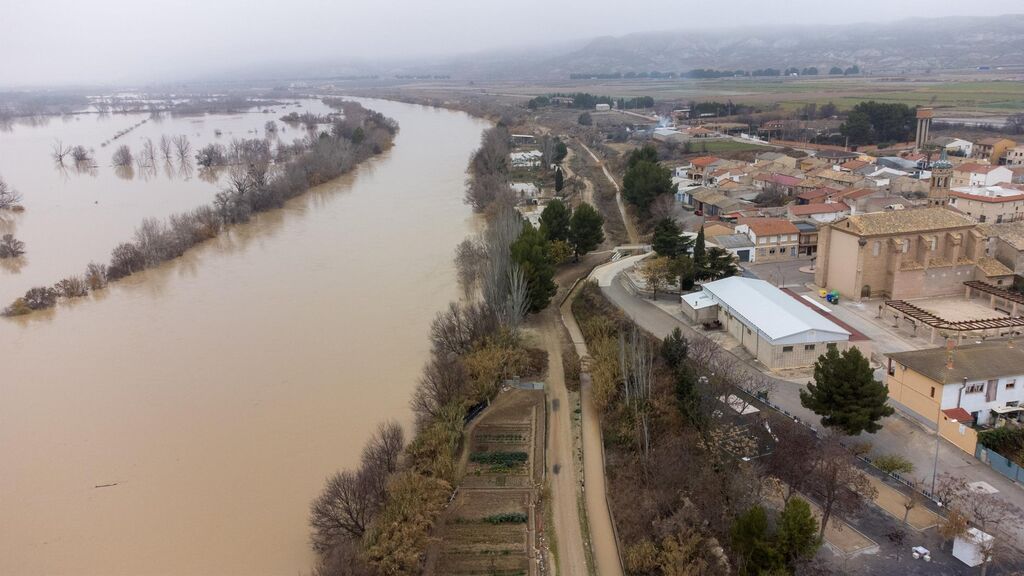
<point x="572" y="559"/>
<point x="899" y="435"/>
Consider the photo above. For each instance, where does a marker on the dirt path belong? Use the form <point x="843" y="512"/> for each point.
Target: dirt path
<point x="634" y="238"/>
<point x="602" y="532"/>
<point x="572" y="559"/>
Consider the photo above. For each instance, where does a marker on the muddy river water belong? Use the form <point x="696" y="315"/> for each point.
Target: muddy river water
<point x="180" y="422"/>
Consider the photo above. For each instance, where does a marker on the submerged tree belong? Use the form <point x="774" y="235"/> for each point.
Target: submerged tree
<point x="11" y="247"/>
<point x="9" y="197"/>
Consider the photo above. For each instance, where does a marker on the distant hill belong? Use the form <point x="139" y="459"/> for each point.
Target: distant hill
<point x="893" y="48"/>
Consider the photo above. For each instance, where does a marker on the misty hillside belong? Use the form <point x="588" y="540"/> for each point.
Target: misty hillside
<point x="905" y="46"/>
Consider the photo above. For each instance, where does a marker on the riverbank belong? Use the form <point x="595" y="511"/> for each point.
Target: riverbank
<point x="219" y="390"/>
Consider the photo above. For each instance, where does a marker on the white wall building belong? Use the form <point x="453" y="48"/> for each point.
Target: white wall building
<point x="780" y="331"/>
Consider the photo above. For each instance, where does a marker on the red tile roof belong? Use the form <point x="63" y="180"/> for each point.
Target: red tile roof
<point x="769" y="226"/>
<point x="853" y="164"/>
<point x="975" y="168"/>
<point x="959" y="414"/>
<point x="704" y="161"/>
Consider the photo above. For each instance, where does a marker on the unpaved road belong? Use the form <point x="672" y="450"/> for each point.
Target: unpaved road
<point x="602" y="534"/>
<point x="634" y="238"/>
<point x="572" y="559"/>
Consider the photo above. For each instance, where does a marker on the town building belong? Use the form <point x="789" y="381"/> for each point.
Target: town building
<point x="739" y="245"/>
<point x="955" y="146"/>
<point x="903" y="254"/>
<point x="835" y="157"/>
<point x="819" y="212"/>
<point x="974" y="174"/>
<point x="779" y="328"/>
<point x="1015" y="156"/>
<point x="808" y="241"/>
<point x="989" y="204"/>
<point x="959" y="388"/>
<point x="924" y="126"/>
<point x="1005" y="243"/>
<point x="776" y="239"/>
<point x="992" y="149"/>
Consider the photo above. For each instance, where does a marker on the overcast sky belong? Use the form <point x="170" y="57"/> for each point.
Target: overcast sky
<point x="58" y="42"/>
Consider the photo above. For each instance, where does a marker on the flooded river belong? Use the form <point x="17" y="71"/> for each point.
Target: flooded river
<point x="180" y="422"/>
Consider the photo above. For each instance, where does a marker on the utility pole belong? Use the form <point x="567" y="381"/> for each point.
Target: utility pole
<point x="950" y="344"/>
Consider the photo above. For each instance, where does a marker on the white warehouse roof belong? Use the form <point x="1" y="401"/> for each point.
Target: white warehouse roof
<point x="772" y="312"/>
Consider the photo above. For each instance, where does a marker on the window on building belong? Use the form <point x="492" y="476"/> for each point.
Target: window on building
<point x="975" y="388"/>
<point x="771" y="251"/>
<point x="933" y="392"/>
<point x="831" y="345"/>
<point x="876" y="248"/>
<point x="808" y="346"/>
<point x="748" y="331"/>
<point x="933" y="242"/>
<point x="773" y="239"/>
<point x="906" y="246"/>
<point x="981" y="218"/>
<point x="1011" y="384"/>
<point x="787" y="348"/>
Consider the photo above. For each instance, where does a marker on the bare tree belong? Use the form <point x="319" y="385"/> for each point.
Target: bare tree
<point x="839" y="483"/>
<point x="444" y="381"/>
<point x="166" y="149"/>
<point x="11" y="247"/>
<point x="122" y="157"/>
<point x="381" y="456"/>
<point x="96" y="276"/>
<point x="636" y="360"/>
<point x="9" y="197"/>
<point x="148" y="153"/>
<point x="791" y="462"/>
<point x="470" y="258"/>
<point x="80" y="155"/>
<point x="60" y="151"/>
<point x="518" y="299"/>
<point x="184" y="149"/>
<point x="989" y="513"/>
<point x="343" y="510"/>
<point x="502" y="230"/>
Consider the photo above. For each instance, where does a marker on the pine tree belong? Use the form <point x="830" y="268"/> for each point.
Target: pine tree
<point x="532" y="252"/>
<point x="699" y="249"/>
<point x="750" y="540"/>
<point x="668" y="240"/>
<point x="845" y="393"/>
<point x="797" y="536"/>
<point x="554" y="221"/>
<point x="585" y="231"/>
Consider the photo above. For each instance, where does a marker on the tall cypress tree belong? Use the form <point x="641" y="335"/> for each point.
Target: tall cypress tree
<point x="845" y="393"/>
<point x="559" y="180"/>
<point x="699" y="249"/>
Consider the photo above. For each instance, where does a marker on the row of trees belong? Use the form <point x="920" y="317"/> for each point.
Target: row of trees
<point x="874" y="122"/>
<point x="505" y="273"/>
<point x="703" y="73"/>
<point x="586" y="101"/>
<point x="254" y="185"/>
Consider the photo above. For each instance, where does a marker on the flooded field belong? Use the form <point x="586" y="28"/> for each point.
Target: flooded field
<point x="181" y="421"/>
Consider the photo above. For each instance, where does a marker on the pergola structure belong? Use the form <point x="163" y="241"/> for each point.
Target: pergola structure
<point x="917" y="317"/>
<point x="996" y="293"/>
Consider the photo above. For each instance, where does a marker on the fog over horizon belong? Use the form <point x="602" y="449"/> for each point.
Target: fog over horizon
<point x="63" y="42"/>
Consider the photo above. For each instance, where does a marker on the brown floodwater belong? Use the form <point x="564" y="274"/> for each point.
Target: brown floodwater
<point x="214" y="394"/>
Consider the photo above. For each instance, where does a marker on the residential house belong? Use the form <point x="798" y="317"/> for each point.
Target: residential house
<point x="903" y="254"/>
<point x="777" y="158"/>
<point x="525" y="190"/>
<point x="834" y="157"/>
<point x="850" y="165"/>
<point x="776" y="239"/>
<point x="702" y="166"/>
<point x="739" y="245"/>
<point x="1004" y="203"/>
<point x="992" y="149"/>
<point x="1015" y="156"/>
<point x="528" y="159"/>
<point x="781" y="182"/>
<point x="713" y="203"/>
<point x="820" y="212"/>
<point x="973" y="174"/>
<point x="807" y="244"/>
<point x="959" y="389"/>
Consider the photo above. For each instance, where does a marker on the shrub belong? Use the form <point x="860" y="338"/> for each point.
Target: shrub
<point x="1006" y="441"/>
<point x="96" y="276"/>
<point x="125" y="259"/>
<point x="17" y="308"/>
<point x="894" y="463"/>
<point x="71" y="287"/>
<point x="507" y="459"/>
<point x="507" y="518"/>
<point x="40" y="297"/>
